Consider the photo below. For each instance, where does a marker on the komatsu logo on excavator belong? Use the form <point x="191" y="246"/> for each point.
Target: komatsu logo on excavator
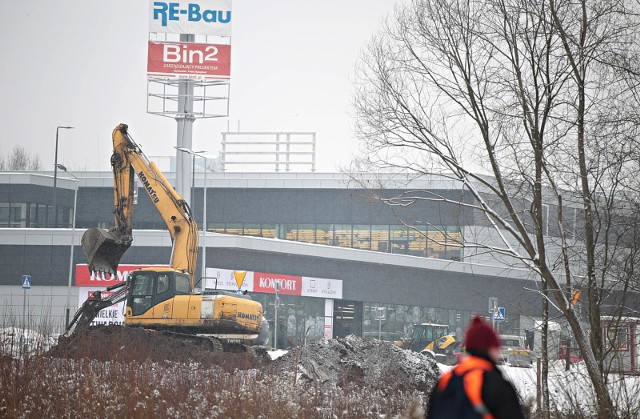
<point x="147" y="186"/>
<point x="248" y="316"/>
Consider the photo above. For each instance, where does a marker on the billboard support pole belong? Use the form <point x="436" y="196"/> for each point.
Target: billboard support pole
<point x="185" y="119"/>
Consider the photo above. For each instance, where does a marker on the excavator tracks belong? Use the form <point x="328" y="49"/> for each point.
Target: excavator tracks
<point x="217" y="345"/>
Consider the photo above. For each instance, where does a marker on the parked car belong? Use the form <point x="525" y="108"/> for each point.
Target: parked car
<point x="514" y="352"/>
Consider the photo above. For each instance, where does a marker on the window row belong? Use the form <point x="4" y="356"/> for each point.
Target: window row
<point x="31" y="215"/>
<point x="440" y="243"/>
<point x="302" y="319"/>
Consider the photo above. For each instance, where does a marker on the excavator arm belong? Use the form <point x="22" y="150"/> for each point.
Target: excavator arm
<point x="96" y="302"/>
<point x="104" y="248"/>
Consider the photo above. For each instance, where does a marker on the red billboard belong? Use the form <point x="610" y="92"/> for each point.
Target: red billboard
<point x="189" y="60"/>
<point x="84" y="278"/>
<point x="266" y="282"/>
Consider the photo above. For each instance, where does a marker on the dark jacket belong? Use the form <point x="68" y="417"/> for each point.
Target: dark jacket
<point x="498" y="395"/>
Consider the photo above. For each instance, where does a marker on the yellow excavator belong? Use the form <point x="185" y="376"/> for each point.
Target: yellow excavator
<point x="160" y="298"/>
<point x="433" y="340"/>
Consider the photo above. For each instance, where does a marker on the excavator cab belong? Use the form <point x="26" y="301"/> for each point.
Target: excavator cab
<point x="150" y="288"/>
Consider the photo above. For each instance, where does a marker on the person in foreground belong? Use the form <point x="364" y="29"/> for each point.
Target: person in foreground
<point x="475" y="388"/>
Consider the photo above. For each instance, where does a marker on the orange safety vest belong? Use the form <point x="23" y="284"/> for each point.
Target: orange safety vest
<point x="471" y="369"/>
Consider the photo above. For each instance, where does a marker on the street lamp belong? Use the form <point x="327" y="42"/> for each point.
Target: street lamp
<point x="55" y="178"/>
<point x="73" y="233"/>
<point x="204" y="211"/>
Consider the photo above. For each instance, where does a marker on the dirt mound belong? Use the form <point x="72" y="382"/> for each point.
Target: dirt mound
<point x="333" y="363"/>
<point x="113" y="342"/>
<point x="352" y="360"/>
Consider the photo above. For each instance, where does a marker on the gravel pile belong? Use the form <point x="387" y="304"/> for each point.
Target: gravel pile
<point x="352" y="360"/>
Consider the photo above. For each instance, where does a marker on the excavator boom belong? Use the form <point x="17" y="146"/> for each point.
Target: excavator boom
<point x="104" y="248"/>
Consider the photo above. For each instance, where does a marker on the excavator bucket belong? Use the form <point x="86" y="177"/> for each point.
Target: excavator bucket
<point x="104" y="248"/>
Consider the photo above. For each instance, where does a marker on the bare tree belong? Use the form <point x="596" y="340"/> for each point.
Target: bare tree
<point x="35" y="163"/>
<point x="20" y="159"/>
<point x="541" y="96"/>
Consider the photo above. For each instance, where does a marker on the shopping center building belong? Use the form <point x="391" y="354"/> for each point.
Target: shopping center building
<point x="344" y="261"/>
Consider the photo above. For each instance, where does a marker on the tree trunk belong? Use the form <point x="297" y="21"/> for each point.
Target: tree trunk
<point x="544" y="376"/>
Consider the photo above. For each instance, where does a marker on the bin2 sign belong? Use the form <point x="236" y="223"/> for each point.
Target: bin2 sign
<point x="189" y="60"/>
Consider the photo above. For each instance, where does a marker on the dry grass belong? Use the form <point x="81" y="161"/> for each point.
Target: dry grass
<point x="138" y="385"/>
<point x="50" y="387"/>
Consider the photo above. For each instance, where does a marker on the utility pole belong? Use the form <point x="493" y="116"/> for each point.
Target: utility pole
<point x="275" y="319"/>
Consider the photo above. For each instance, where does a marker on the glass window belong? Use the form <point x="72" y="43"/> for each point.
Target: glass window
<point x="362" y="237"/>
<point x="453" y="249"/>
<point x="436" y="239"/>
<point x="41" y="215"/>
<point x="13" y="215"/>
<point x="342" y="235"/>
<point x="288" y="231"/>
<point x="143" y="284"/>
<point x="163" y="283"/>
<point x="269" y="230"/>
<point x="617" y="338"/>
<point x="324" y="234"/>
<point x="4" y="214"/>
<point x="380" y="238"/>
<point x="233" y="228"/>
<point x="32" y="217"/>
<point x="398" y="239"/>
<point x="252" y="230"/>
<point x="70" y="217"/>
<point x="182" y="284"/>
<point x="141" y="294"/>
<point x="307" y="233"/>
<point x="300" y="319"/>
<point x="417" y="241"/>
<point x="216" y="227"/>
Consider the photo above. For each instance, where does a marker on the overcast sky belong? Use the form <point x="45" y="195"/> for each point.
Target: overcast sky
<point x="83" y="63"/>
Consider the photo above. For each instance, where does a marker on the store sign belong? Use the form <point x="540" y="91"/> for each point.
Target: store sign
<point x="109" y="315"/>
<point x="84" y="278"/>
<point x="189" y="60"/>
<point x="321" y="287"/>
<point x="266" y="283"/>
<point x="201" y="17"/>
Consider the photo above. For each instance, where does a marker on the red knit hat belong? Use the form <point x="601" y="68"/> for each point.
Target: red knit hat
<point x="480" y="336"/>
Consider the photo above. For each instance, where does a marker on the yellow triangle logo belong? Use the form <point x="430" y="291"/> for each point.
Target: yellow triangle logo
<point x="239" y="276"/>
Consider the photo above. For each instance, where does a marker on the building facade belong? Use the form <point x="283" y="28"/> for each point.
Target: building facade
<point x="387" y="267"/>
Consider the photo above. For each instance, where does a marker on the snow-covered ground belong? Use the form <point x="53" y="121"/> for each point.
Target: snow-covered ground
<point x="569" y="390"/>
<point x="18" y="342"/>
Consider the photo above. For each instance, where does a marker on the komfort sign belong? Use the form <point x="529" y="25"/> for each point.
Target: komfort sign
<point x="265" y="282"/>
<point x="84" y="278"/>
<point x="200" y="17"/>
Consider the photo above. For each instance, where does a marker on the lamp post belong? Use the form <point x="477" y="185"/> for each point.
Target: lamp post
<point x="55" y="177"/>
<point x="204" y="211"/>
<point x="275" y="318"/>
<point x="73" y="234"/>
